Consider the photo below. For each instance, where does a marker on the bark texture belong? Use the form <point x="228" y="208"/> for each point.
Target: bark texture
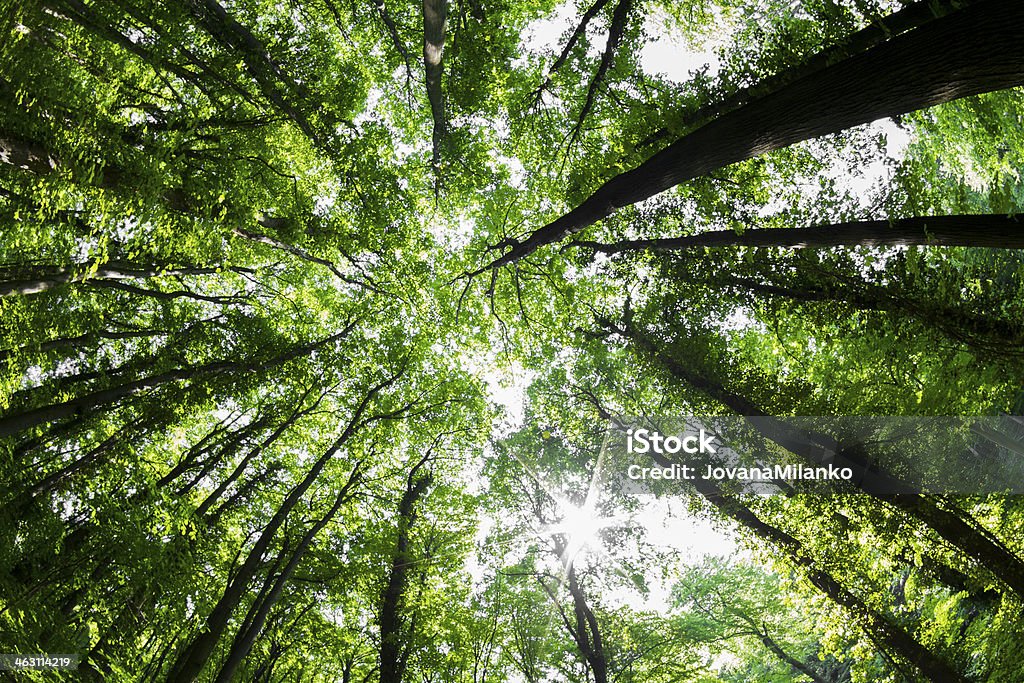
<point x="972" y="230"/>
<point x="394" y="631"/>
<point x="435" y="19"/>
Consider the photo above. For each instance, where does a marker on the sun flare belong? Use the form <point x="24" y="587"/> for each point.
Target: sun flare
<point x="581" y="527"/>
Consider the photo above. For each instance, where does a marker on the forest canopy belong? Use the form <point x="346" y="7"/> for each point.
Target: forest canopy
<point x="319" y="321"/>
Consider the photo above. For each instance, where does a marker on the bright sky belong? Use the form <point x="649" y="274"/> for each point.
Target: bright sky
<point x="668" y="55"/>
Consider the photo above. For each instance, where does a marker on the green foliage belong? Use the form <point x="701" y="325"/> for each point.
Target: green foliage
<point x="237" y="335"/>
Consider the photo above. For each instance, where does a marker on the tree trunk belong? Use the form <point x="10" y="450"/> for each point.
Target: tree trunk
<point x="83" y="404"/>
<point x="284" y="92"/>
<point x="984" y="230"/>
<point x="762" y="634"/>
<point x="896" y="639"/>
<point x="880" y="30"/>
<point x="394" y="637"/>
<point x="396" y="38"/>
<point x="971" y="51"/>
<point x="620" y="18"/>
<point x="79" y="341"/>
<point x="221" y="438"/>
<point x="253" y="453"/>
<point x="982" y="333"/>
<point x="19" y="422"/>
<point x="435" y="18"/>
<point x="578" y="33"/>
<point x="86" y="17"/>
<point x="192" y="660"/>
<point x="588" y="631"/>
<point x="25" y="155"/>
<point x="42" y="279"/>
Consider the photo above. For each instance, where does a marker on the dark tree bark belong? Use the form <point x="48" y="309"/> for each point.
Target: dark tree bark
<point x="894" y="638"/>
<point x="583" y="627"/>
<point x="912" y="16"/>
<point x="85" y="16"/>
<point x="394" y="633"/>
<point x="760" y="631"/>
<point x="85" y="340"/>
<point x="242" y="493"/>
<point x="435" y="19"/>
<point x="25" y="155"/>
<point x="983" y="333"/>
<point x="89" y="402"/>
<point x="119" y="441"/>
<point x="971" y="51"/>
<point x="396" y="38"/>
<point x="253" y="453"/>
<point x="980" y="230"/>
<point x="280" y="88"/>
<point x="86" y="403"/>
<point x="221" y="438"/>
<point x="35" y="279"/>
<point x="620" y="18"/>
<point x="587" y="633"/>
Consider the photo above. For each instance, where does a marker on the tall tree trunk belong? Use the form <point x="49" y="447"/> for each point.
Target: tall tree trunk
<point x="253" y="453"/>
<point x="588" y="631"/>
<point x="761" y="632"/>
<point x="81" y="341"/>
<point x="971" y="51"/>
<point x="620" y="18"/>
<point x="21" y="421"/>
<point x="40" y="279"/>
<point x="25" y="155"/>
<point x="578" y="33"/>
<point x="435" y="19"/>
<point x="975" y="329"/>
<point x="241" y="494"/>
<point x="396" y="38"/>
<point x="221" y="438"/>
<point x="584" y="627"/>
<point x="86" y="17"/>
<point x="394" y="635"/>
<point x="880" y="30"/>
<point x="284" y="92"/>
<point x="89" y="402"/>
<point x="891" y="635"/>
<point x="980" y="230"/>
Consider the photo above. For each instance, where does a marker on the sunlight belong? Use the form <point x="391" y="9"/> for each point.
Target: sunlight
<point x="581" y="527"/>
